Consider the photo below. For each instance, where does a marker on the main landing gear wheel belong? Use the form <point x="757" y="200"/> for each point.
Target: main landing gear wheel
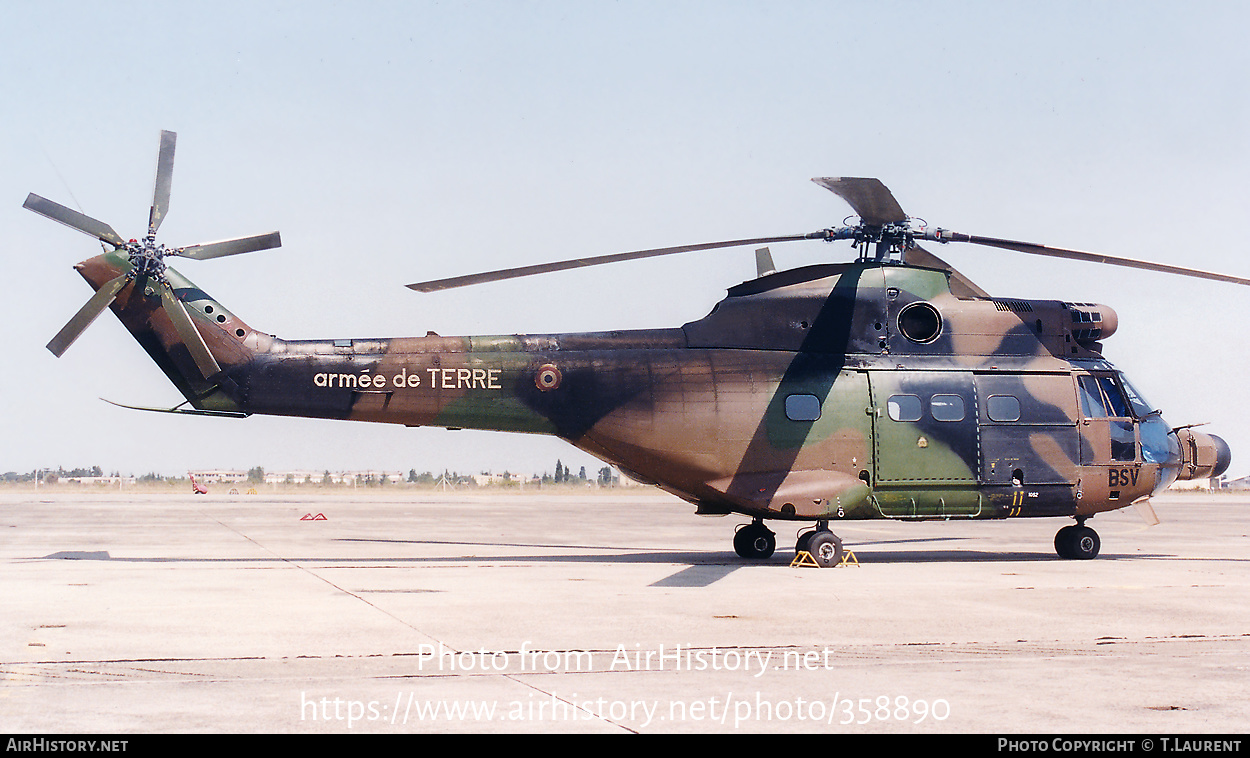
<point x="1077" y="542"/>
<point x="755" y="541"/>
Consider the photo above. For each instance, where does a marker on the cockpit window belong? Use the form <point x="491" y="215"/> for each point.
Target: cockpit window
<point x="1115" y="399"/>
<point x="1101" y="397"/>
<point x="1091" y="397"/>
<point x="1140" y="407"/>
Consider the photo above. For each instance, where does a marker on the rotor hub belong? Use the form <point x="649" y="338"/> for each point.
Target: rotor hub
<point x="147" y="257"/>
<point x="879" y="242"/>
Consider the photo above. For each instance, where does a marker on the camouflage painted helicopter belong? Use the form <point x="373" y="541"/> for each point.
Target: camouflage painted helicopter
<point x="886" y="387"/>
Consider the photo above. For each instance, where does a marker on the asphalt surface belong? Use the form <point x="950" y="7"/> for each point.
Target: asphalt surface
<point x="613" y="612"/>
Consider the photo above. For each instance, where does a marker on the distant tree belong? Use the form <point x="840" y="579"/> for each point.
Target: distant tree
<point x="582" y="474"/>
<point x="605" y="475"/>
<point x="560" y="473"/>
<point x="412" y="475"/>
<point x="256" y="475"/>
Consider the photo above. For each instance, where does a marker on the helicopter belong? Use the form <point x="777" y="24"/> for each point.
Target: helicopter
<point x="889" y="386"/>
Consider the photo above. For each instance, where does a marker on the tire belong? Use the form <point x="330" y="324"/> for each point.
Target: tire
<point x="1079" y="543"/>
<point x="755" y="541"/>
<point x="1085" y="544"/>
<point x="1063" y="542"/>
<point x="826" y="549"/>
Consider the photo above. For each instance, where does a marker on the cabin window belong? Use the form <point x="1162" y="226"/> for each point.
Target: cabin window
<point x="947" y="407"/>
<point x="802" y="407"/>
<point x="1002" y="408"/>
<point x="904" y="407"/>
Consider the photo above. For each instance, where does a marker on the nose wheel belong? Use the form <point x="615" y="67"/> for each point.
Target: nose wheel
<point x="824" y="546"/>
<point x="1077" y="542"/>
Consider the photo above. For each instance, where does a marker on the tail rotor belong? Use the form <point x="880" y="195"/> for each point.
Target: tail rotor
<point x="147" y="260"/>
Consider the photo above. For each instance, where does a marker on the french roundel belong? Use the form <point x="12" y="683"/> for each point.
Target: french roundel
<point x="547" y="378"/>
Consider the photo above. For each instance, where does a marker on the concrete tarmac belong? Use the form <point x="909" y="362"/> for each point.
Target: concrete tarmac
<point x="614" y="612"/>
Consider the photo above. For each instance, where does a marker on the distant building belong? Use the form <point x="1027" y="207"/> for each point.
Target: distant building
<point x="487" y="479"/>
<point x="338" y="477"/>
<point x="114" y="480"/>
<point x="219" y="476"/>
<point x="1235" y="484"/>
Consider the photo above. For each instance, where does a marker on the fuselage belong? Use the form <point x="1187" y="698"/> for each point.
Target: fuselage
<point x="830" y="392"/>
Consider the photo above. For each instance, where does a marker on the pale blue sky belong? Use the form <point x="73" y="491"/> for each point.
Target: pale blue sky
<point x="395" y="142"/>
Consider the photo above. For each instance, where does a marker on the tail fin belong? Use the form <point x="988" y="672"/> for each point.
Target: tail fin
<point x="200" y="354"/>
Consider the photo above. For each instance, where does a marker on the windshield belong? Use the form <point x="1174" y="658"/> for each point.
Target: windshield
<point x="1141" y="408"/>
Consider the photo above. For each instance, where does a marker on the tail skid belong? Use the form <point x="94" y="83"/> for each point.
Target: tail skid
<point x="180" y="410"/>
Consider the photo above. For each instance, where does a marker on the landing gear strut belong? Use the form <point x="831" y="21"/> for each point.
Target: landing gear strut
<point x="1077" y="542"/>
<point x="755" y="540"/>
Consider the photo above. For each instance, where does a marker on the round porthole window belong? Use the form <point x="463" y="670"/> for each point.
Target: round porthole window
<point x="920" y="322"/>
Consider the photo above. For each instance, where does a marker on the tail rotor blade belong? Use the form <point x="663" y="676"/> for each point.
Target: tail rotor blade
<point x="204" y="359"/>
<point x="102" y="299"/>
<point x="73" y="219"/>
<point x="229" y="247"/>
<point x="164" y="180"/>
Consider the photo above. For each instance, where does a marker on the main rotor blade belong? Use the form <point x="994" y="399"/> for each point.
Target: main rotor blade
<point x="546" y="268"/>
<point x="164" y="180"/>
<point x="869" y="198"/>
<point x="204" y="359"/>
<point x="102" y="299"/>
<point x="229" y="247"/>
<point x="73" y="219"/>
<point x="1032" y="248"/>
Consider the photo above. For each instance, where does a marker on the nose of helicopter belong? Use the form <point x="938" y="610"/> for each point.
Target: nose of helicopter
<point x="1223" y="455"/>
<point x="1202" y="456"/>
